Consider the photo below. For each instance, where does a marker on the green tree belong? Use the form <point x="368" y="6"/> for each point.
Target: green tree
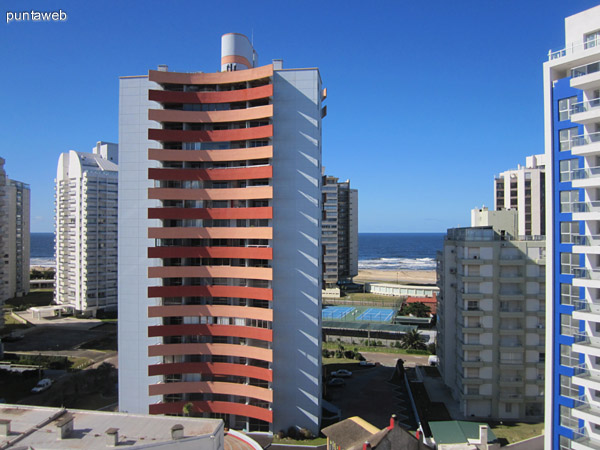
<point x="187" y="409"/>
<point x="412" y="340"/>
<point x="417" y="309"/>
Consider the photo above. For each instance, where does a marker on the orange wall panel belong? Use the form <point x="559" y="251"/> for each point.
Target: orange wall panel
<point x="211" y="252"/>
<point x="238" y="154"/>
<point x="210" y="78"/>
<point x="238" y="409"/>
<point x="242" y="370"/>
<point x="242" y="351"/>
<point x="262" y="334"/>
<point x="211" y="291"/>
<point x="234" y="173"/>
<point x="211" y="233"/>
<point x="233" y="115"/>
<point x="263" y="212"/>
<point x="237" y="134"/>
<point x="243" y="312"/>
<point x="239" y="95"/>
<point x="251" y="273"/>
<point x="247" y="193"/>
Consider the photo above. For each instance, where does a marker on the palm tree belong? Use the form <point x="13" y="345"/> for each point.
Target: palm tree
<point x="412" y="340"/>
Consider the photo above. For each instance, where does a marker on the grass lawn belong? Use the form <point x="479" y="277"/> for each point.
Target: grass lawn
<point x="288" y="441"/>
<point x="365" y="296"/>
<point x="511" y="432"/>
<point x="38" y="297"/>
<point x="11" y="324"/>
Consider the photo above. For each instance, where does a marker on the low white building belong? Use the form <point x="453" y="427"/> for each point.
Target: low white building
<point x="491" y="315"/>
<point x="86" y="229"/>
<point x="400" y="290"/>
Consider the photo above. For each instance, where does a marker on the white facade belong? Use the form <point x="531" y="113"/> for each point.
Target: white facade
<point x="523" y="189"/>
<point x="340" y="231"/>
<point x="86" y="229"/>
<point x="491" y="322"/>
<point x="572" y="126"/>
<point x="134" y="243"/>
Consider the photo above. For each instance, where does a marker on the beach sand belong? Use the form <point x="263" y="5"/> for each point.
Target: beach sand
<point x="400" y="276"/>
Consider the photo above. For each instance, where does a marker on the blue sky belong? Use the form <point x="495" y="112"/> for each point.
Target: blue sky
<point x="426" y="100"/>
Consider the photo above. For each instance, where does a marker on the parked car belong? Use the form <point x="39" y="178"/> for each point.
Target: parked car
<point x="341" y="373"/>
<point x="336" y="382"/>
<point x="42" y="385"/>
<point x="367" y="363"/>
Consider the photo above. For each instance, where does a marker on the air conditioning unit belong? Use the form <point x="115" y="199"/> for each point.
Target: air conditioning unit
<point x="452" y="285"/>
<point x="453" y="270"/>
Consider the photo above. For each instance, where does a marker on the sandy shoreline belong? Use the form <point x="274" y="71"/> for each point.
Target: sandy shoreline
<point x="397" y="276"/>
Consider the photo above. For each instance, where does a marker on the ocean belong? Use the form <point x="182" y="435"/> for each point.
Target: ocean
<point x="382" y="251"/>
<point x="398" y="251"/>
<point x="42" y="249"/>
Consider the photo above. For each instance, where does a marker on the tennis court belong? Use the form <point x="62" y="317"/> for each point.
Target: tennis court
<point x="377" y="315"/>
<point x="336" y="312"/>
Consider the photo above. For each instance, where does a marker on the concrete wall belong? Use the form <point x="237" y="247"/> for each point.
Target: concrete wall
<point x="133" y="244"/>
<point x="297" y="249"/>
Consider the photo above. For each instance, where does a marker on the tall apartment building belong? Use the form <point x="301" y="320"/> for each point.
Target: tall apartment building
<point x="340" y="232"/>
<point x="220" y="242"/>
<point x="524" y="189"/>
<point x="86" y="229"/>
<point x="491" y="316"/>
<point x="572" y="125"/>
<point x="14" y="238"/>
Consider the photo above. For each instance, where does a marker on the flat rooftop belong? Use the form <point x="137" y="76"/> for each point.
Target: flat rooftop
<point x="36" y="427"/>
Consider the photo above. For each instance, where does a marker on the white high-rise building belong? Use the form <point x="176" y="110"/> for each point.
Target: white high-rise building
<point x="523" y="189"/>
<point x="220" y="242"/>
<point x="340" y="232"/>
<point x="86" y="229"/>
<point x="572" y="137"/>
<point x="491" y="318"/>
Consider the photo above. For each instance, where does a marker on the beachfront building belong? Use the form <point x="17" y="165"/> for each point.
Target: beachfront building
<point x="14" y="237"/>
<point x="572" y="125"/>
<point x="491" y="319"/>
<point x="86" y="229"/>
<point x="523" y="189"/>
<point x="220" y="242"/>
<point x="339" y="232"/>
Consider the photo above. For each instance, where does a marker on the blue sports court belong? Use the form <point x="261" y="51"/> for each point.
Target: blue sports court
<point x="336" y="312"/>
<point x="377" y="315"/>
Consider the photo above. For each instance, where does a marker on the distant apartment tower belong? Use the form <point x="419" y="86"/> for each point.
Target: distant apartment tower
<point x="491" y="318"/>
<point x="572" y="136"/>
<point x="14" y="237"/>
<point x="523" y="189"/>
<point x="220" y="242"/>
<point x="86" y="229"/>
<point x="339" y="231"/>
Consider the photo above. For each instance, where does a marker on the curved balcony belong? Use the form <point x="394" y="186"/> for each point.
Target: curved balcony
<point x="229" y="174"/>
<point x="247" y="193"/>
<point x="241" y="331"/>
<point x="236" y="134"/>
<point x="242" y="312"/>
<point x="265" y="212"/>
<point x="256" y="73"/>
<point x="211" y="233"/>
<point x="238" y="370"/>
<point x="212" y="387"/>
<point x="211" y="291"/>
<point x="238" y="409"/>
<point x="238" y="154"/>
<point x="250" y="273"/>
<point x="241" y="351"/>
<point x="232" y="115"/>
<point x="211" y="252"/>
<point x="240" y="95"/>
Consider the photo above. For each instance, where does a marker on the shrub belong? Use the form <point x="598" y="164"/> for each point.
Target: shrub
<point x="292" y="433"/>
<point x="431" y="348"/>
<point x="306" y="434"/>
<point x="280" y="434"/>
<point x="326" y="353"/>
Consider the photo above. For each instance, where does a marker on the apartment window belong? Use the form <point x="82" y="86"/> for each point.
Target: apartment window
<point x="568" y="262"/>
<point x="569" y="231"/>
<point x="566" y="387"/>
<point x="568" y="325"/>
<point x="567" y="166"/>
<point x="568" y="357"/>
<point x="567" y="419"/>
<point x="508" y="407"/>
<point x="567" y="198"/>
<point x="591" y="40"/>
<point x="565" y="136"/>
<point x="564" y="107"/>
<point x="569" y="294"/>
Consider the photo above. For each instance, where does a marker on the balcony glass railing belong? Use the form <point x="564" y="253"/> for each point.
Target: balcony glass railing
<point x="585" y="106"/>
<point x="583" y="369"/>
<point x="590" y="240"/>
<point x="585" y="139"/>
<point x="574" y="48"/>
<point x="579" y="207"/>
<point x="585" y="69"/>
<point x="582" y="174"/>
<point x="584" y="272"/>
